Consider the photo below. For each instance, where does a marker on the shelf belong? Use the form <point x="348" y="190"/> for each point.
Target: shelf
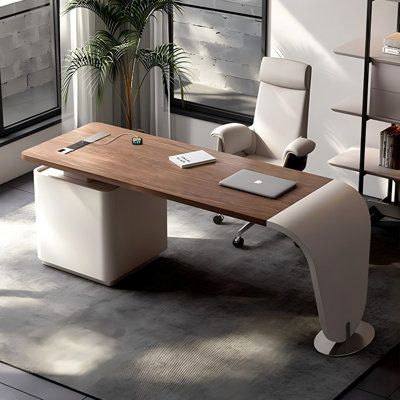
<point x="356" y="49"/>
<point x="349" y="106"/>
<point x="349" y="159"/>
<point x="352" y="106"/>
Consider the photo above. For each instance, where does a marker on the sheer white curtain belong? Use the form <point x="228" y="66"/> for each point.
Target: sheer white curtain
<point x="75" y="28"/>
<point x="155" y="105"/>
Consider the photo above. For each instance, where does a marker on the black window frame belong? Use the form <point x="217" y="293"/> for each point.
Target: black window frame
<point x="208" y="113"/>
<point x="49" y="117"/>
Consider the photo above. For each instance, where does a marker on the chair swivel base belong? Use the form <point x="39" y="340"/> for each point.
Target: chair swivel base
<point x="360" y="339"/>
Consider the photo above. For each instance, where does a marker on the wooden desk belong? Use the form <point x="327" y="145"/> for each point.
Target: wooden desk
<point x="329" y="220"/>
<point x="146" y="168"/>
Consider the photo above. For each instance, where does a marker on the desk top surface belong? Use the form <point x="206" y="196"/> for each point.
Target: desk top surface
<point x="147" y="168"/>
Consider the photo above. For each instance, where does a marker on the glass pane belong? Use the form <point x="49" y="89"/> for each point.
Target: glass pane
<point x="248" y="7"/>
<point x="225" y="56"/>
<point x="27" y="59"/>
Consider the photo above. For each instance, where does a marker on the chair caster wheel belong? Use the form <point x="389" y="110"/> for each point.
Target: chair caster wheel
<point x="218" y="219"/>
<point x="238" y="242"/>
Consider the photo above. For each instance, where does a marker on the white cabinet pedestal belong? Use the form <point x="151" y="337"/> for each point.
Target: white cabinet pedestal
<point x="95" y="230"/>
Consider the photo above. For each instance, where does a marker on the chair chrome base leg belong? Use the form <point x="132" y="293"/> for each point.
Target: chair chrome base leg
<point x="245" y="228"/>
<point x="360" y="339"/>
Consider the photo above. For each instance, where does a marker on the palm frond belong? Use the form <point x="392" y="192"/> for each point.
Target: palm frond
<point x="114" y="48"/>
<point x="104" y="54"/>
<point x="98" y="64"/>
<point x="115" y="51"/>
<point x="138" y="12"/>
<point x="171" y="59"/>
<point x="108" y="12"/>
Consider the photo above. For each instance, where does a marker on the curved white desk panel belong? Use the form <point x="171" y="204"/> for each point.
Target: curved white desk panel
<point x="332" y="227"/>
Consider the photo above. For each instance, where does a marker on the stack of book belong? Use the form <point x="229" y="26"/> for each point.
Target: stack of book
<point x="390" y="147"/>
<point x="391" y="44"/>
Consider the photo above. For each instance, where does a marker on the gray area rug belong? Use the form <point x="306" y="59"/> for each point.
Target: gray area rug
<point x="204" y="321"/>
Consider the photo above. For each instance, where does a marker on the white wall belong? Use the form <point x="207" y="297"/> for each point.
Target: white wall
<point x="11" y="164"/>
<point x="308" y="31"/>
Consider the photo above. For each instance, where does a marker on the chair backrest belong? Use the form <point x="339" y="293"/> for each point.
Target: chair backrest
<point x="281" y="114"/>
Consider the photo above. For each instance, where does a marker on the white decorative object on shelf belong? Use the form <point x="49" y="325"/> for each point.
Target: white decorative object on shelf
<point x="392" y="41"/>
<point x="391" y="50"/>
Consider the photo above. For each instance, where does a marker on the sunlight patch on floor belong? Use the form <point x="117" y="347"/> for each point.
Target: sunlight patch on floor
<point x="11" y="229"/>
<point x="14" y="301"/>
<point x="209" y="359"/>
<point x="177" y="229"/>
<point x="73" y="351"/>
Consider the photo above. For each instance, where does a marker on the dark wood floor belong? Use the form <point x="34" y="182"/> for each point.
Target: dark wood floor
<point x="19" y="385"/>
<point x="382" y="382"/>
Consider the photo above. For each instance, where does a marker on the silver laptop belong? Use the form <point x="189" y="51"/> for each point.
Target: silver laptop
<point x="258" y="183"/>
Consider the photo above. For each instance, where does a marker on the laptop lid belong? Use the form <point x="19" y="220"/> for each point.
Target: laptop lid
<point x="258" y="183"/>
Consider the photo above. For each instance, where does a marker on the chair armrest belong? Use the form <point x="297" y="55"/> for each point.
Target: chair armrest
<point x="233" y="138"/>
<point x="300" y="147"/>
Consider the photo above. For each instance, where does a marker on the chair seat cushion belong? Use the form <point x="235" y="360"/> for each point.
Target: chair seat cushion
<point x="269" y="160"/>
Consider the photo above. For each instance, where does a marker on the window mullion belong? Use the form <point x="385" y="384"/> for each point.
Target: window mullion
<point x="30" y="71"/>
<point x="1" y="112"/>
<point x="222" y="11"/>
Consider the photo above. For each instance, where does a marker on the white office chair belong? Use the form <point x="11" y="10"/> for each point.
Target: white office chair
<point x="279" y="131"/>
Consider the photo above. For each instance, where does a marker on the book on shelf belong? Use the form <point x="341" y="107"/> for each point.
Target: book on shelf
<point x="391" y="50"/>
<point x="192" y="159"/>
<point x="390" y="147"/>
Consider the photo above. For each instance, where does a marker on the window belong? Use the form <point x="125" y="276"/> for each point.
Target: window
<point x="225" y="41"/>
<point x="29" y="63"/>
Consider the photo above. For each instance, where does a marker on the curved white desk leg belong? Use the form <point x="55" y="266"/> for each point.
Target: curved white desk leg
<point x="332" y="227"/>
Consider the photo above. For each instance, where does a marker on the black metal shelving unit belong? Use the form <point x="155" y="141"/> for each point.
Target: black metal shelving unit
<point x="367" y="162"/>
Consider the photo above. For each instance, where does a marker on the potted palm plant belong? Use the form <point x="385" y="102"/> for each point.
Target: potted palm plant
<point x="115" y="52"/>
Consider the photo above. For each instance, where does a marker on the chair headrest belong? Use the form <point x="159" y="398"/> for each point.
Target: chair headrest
<point x="285" y="73"/>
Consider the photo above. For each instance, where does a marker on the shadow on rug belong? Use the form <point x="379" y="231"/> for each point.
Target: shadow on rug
<point x="204" y="321"/>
